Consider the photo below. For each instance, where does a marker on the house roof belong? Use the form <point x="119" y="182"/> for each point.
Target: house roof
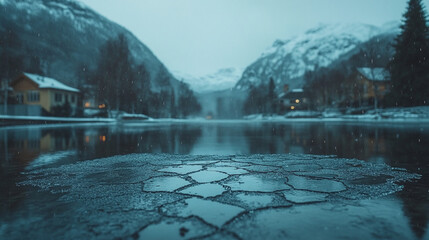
<point x="375" y="74"/>
<point x="297" y="90"/>
<point x="294" y="93"/>
<point x="45" y="82"/>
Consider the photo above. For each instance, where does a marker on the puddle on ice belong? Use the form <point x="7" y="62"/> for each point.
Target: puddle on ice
<point x="378" y="219"/>
<point x="212" y="212"/>
<point x="182" y="169"/>
<point x="300" y="196"/>
<point x="257" y="183"/>
<point x="205" y="190"/>
<point x="174" y="229"/>
<point x="208" y="176"/>
<point x="228" y="170"/>
<point x="255" y="200"/>
<point x="164" y="184"/>
<point x="317" y="185"/>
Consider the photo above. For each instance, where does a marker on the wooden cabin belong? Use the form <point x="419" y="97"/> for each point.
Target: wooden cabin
<point x="374" y="82"/>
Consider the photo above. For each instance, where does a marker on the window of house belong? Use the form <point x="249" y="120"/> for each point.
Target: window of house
<point x="19" y="98"/>
<point x="72" y="98"/>
<point x="33" y="96"/>
<point x="58" y="97"/>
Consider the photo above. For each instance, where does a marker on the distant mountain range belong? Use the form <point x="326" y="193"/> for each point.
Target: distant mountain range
<point x="288" y="60"/>
<point x="221" y="80"/>
<point x="66" y="35"/>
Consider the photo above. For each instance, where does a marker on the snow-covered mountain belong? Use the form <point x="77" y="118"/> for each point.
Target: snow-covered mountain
<point x="288" y="60"/>
<point x="66" y="34"/>
<point x="225" y="78"/>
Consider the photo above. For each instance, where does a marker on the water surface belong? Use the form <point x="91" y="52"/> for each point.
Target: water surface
<point x="404" y="145"/>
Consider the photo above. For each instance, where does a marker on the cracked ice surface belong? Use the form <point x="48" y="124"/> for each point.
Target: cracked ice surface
<point x="141" y="196"/>
<point x="212" y="212"/>
<point x="175" y="229"/>
<point x="164" y="184"/>
<point x="205" y="190"/>
<point x="257" y="183"/>
<point x="208" y="176"/>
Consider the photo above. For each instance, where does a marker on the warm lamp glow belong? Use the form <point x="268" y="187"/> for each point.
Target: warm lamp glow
<point x="297" y="101"/>
<point x="292" y="107"/>
<point x="87" y="104"/>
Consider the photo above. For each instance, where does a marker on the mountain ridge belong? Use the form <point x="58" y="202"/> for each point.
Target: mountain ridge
<point x="223" y="79"/>
<point x="286" y="61"/>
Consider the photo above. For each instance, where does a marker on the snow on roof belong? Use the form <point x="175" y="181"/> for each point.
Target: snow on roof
<point x="297" y="90"/>
<point x="375" y="74"/>
<point x="45" y="82"/>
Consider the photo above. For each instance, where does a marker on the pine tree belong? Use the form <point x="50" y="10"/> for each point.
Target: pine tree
<point x="409" y="68"/>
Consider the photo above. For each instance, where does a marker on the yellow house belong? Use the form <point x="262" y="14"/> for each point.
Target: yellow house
<point x="32" y="89"/>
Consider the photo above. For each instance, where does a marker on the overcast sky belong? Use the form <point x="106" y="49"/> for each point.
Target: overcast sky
<point x="201" y="36"/>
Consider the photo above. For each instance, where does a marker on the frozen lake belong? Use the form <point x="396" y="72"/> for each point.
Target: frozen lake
<point x="28" y="151"/>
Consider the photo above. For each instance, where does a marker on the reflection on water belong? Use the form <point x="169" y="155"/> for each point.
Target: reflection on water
<point x="400" y="145"/>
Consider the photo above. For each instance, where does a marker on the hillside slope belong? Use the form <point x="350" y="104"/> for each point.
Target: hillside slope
<point x="66" y="35"/>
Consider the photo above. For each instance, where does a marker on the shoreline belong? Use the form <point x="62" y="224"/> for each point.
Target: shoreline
<point x="17" y="121"/>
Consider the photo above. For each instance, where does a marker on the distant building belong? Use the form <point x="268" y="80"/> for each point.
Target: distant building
<point x="295" y="99"/>
<point x="374" y="84"/>
<point x="48" y="93"/>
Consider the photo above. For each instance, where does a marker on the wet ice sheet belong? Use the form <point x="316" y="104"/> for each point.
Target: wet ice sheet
<point x="164" y="184"/>
<point x="205" y="190"/>
<point x="131" y="195"/>
<point x="228" y="170"/>
<point x="175" y="229"/>
<point x="367" y="219"/>
<point x="208" y="176"/>
<point x="182" y="169"/>
<point x="212" y="212"/>
<point x="257" y="183"/>
<point x="299" y="196"/>
<point x="317" y="185"/>
<point x="255" y="200"/>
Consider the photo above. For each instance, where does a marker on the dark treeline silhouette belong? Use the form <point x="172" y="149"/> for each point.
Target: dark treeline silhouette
<point x="123" y="85"/>
<point x="261" y="99"/>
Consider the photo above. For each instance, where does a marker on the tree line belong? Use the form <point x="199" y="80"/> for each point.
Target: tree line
<point x="116" y="81"/>
<point x="262" y="99"/>
<point x="122" y="85"/>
